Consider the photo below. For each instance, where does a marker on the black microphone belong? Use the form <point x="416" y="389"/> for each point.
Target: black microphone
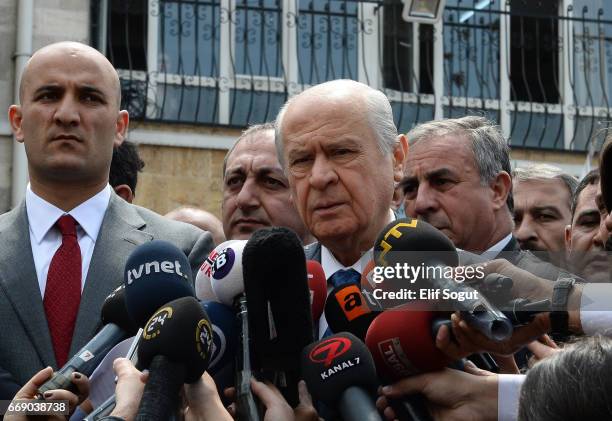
<point x="348" y="309"/>
<point x="117" y="326"/>
<point x="422" y="246"/>
<point x="155" y="273"/>
<point x="339" y="371"/>
<point x="278" y="303"/>
<point x="175" y="346"/>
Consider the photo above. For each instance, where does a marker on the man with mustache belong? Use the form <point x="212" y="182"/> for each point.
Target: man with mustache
<point x="542" y="202"/>
<point x="584" y="240"/>
<point x="255" y="189"/>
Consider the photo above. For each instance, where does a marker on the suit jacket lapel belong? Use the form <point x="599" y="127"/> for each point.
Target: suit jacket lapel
<point x="119" y="235"/>
<point x="19" y="283"/>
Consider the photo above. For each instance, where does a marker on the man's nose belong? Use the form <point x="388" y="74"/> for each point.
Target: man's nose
<point x="248" y="196"/>
<point x="67" y="112"/>
<point x="524" y="231"/>
<point x="322" y="173"/>
<point x="425" y="201"/>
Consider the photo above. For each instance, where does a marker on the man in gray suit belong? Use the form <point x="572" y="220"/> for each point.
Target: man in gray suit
<point x="69" y="120"/>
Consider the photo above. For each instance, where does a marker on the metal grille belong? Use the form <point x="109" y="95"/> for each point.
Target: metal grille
<point x="542" y="70"/>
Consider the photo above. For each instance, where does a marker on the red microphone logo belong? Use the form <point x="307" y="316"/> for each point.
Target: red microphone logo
<point x="328" y="350"/>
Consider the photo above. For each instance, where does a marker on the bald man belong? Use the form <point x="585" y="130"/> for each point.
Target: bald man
<point x="201" y="219"/>
<point x="64" y="248"/>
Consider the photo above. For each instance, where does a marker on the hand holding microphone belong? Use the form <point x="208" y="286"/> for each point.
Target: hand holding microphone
<point x="117" y="326"/>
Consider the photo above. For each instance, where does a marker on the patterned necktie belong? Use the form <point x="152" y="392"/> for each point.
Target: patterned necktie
<point x="63" y="290"/>
<point x="342" y="277"/>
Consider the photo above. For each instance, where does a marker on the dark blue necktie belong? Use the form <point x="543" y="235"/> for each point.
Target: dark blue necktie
<point x="339" y="278"/>
<point x="344" y="277"/>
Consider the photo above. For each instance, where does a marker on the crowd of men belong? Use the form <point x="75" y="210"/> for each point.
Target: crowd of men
<point x="332" y="168"/>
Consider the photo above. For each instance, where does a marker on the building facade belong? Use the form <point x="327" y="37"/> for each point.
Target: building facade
<point x="194" y="73"/>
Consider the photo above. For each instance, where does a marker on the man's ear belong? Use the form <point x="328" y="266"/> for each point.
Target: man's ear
<point x="125" y="192"/>
<point x="501" y="187"/>
<point x="123" y="121"/>
<point x="15" y="118"/>
<point x="568" y="238"/>
<point x="400" y="153"/>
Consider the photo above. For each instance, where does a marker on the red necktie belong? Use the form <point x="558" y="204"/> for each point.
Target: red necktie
<point x="63" y="290"/>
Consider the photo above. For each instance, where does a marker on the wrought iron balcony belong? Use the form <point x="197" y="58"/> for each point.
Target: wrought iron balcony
<point x="542" y="71"/>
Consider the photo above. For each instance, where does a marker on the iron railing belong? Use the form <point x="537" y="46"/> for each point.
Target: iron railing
<point x="542" y="71"/>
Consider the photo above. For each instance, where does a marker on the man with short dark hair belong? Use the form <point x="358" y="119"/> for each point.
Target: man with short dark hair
<point x="255" y="189"/>
<point x="125" y="166"/>
<point x="585" y="247"/>
<point x="64" y="248"/>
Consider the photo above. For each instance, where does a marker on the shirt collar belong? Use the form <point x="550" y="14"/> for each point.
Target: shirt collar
<point x="42" y="215"/>
<point x="331" y="265"/>
<point x="496" y="248"/>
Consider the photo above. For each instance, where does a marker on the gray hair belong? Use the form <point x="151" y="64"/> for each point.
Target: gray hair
<point x="251" y="130"/>
<point x="538" y="172"/>
<point x="572" y="384"/>
<point x="490" y="149"/>
<point x="379" y="114"/>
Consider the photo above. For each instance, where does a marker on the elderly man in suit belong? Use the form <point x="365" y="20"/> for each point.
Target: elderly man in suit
<point x="342" y="154"/>
<point x="64" y="248"/>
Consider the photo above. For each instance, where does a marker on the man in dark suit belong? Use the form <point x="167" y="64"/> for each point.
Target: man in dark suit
<point x="342" y="155"/>
<point x="63" y="249"/>
<point x="457" y="178"/>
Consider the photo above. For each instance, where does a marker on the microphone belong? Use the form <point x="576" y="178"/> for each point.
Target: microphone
<point x="417" y="243"/>
<point x="278" y="303"/>
<point x="402" y="345"/>
<point x="349" y="310"/>
<point x="339" y="371"/>
<point x="225" y="335"/>
<point x="155" y="273"/>
<point x="317" y="284"/>
<point x="175" y="346"/>
<point x="203" y="282"/>
<point x="226" y="271"/>
<point x="117" y="326"/>
<point x="226" y="279"/>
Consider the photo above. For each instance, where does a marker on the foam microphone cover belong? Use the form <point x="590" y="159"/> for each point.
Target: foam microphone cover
<point x="402" y="343"/>
<point x="348" y="310"/>
<point x="317" y="284"/>
<point x="225" y="271"/>
<point x="278" y="298"/>
<point x="225" y="335"/>
<point x="424" y="242"/>
<point x="114" y="310"/>
<point x="180" y="331"/>
<point x="332" y="365"/>
<point x="155" y="273"/>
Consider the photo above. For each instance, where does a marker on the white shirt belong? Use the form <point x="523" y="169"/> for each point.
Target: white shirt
<point x="46" y="239"/>
<point x="496" y="248"/>
<point x="331" y="265"/>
